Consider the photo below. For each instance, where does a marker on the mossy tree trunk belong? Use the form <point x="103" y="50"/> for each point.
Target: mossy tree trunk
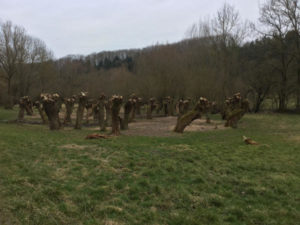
<point x="52" y="113"/>
<point x="186" y="120"/>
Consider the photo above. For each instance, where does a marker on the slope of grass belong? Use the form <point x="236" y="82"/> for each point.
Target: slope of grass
<point x="58" y="177"/>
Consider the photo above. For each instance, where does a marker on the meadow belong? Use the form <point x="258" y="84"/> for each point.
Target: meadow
<point x="212" y="177"/>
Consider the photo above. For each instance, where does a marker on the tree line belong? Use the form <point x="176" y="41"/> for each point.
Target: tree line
<point x="218" y="57"/>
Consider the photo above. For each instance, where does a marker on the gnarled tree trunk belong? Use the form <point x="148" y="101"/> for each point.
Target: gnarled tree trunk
<point x="52" y="111"/>
<point x="186" y="120"/>
<point x="69" y="103"/>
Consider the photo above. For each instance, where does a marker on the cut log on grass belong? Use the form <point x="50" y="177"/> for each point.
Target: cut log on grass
<point x="127" y="109"/>
<point x="82" y="98"/>
<point x="115" y="110"/>
<point x="101" y="112"/>
<point x="52" y="111"/>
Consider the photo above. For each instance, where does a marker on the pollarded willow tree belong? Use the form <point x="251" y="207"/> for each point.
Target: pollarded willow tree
<point x="52" y="110"/>
<point x="116" y="102"/>
<point x="69" y="103"/>
<point x="82" y="99"/>
<point x="150" y="107"/>
<point x="201" y="108"/>
<point x="41" y="111"/>
<point x="235" y="109"/>
<point x="127" y="109"/>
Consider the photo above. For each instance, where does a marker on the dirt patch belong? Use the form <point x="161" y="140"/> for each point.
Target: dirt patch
<point x="77" y="147"/>
<point x="163" y="127"/>
<point x="294" y="138"/>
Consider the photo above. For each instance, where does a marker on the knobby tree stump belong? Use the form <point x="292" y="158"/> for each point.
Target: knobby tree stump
<point x="115" y="110"/>
<point x="88" y="106"/>
<point x="41" y="111"/>
<point x="150" y="107"/>
<point x="186" y="119"/>
<point x="52" y="111"/>
<point x="69" y="103"/>
<point x="235" y="109"/>
<point x="127" y="109"/>
<point x="139" y="103"/>
<point x="82" y="99"/>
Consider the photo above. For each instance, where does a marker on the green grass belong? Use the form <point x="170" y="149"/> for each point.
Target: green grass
<point x="199" y="178"/>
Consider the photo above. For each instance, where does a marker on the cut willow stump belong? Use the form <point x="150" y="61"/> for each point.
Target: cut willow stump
<point x="69" y="103"/>
<point x="150" y="108"/>
<point x="115" y="110"/>
<point x="88" y="106"/>
<point x="42" y="113"/>
<point x="236" y="107"/>
<point x="52" y="111"/>
<point x="127" y="109"/>
<point x="186" y="120"/>
<point x="101" y="112"/>
<point x="82" y="98"/>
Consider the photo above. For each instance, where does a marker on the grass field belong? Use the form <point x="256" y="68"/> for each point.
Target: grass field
<point x="209" y="177"/>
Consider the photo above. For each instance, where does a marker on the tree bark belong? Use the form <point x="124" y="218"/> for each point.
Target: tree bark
<point x="127" y="109"/>
<point x="186" y="120"/>
<point x="69" y="103"/>
<point x="52" y="112"/>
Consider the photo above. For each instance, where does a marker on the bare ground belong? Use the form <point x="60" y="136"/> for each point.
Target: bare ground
<point x="163" y="127"/>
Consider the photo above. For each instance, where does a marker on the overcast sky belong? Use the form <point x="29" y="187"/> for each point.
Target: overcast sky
<point x="86" y="26"/>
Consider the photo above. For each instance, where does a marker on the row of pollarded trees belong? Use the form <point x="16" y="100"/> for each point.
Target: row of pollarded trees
<point x="107" y="110"/>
